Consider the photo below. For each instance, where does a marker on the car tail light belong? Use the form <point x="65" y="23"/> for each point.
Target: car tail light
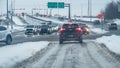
<point x="62" y="29"/>
<point x="79" y="29"/>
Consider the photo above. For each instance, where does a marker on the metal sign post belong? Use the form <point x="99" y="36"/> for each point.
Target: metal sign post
<point x="102" y="22"/>
<point x="69" y="10"/>
<point x="101" y="17"/>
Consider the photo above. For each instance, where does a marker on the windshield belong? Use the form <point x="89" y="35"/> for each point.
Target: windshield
<point x="30" y="26"/>
<point x="2" y="28"/>
<point x="60" y="34"/>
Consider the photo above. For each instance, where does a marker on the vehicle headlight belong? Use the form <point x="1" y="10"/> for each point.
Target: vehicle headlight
<point x="87" y="30"/>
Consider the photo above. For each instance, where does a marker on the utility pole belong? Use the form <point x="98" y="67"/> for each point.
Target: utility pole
<point x="32" y="11"/>
<point x="88" y="7"/>
<point x="11" y="11"/>
<point x="69" y="11"/>
<point x="90" y="10"/>
<point x="7" y="10"/>
<point x="81" y="11"/>
<point x="11" y="14"/>
<point x="50" y="12"/>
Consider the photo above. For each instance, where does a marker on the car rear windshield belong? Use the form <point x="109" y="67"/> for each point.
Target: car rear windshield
<point x="29" y="29"/>
<point x="70" y="26"/>
<point x="113" y="24"/>
<point x="30" y="26"/>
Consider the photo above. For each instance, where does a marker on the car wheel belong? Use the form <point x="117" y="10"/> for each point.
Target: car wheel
<point x="49" y="32"/>
<point x="39" y="33"/>
<point x="8" y="40"/>
<point x="60" y="41"/>
<point x="80" y="40"/>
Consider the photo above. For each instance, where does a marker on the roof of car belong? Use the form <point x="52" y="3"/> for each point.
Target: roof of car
<point x="114" y="23"/>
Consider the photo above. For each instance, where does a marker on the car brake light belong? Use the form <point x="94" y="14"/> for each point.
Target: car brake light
<point x="79" y="29"/>
<point x="62" y="29"/>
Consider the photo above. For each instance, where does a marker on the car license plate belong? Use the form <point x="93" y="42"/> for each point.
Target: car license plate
<point x="70" y="36"/>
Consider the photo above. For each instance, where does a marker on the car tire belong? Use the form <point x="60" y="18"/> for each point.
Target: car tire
<point x="8" y="40"/>
<point x="60" y="41"/>
<point x="49" y="32"/>
<point x="80" y="40"/>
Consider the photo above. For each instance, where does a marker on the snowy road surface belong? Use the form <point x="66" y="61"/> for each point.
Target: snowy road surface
<point x="91" y="54"/>
<point x="72" y="55"/>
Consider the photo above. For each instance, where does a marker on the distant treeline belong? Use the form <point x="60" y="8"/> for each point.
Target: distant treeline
<point x="112" y="10"/>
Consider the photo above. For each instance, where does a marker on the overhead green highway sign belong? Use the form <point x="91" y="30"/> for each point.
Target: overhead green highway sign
<point x="60" y="4"/>
<point x="55" y="4"/>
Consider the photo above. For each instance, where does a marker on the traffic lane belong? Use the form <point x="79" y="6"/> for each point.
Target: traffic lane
<point x="52" y="37"/>
<point x="72" y="55"/>
<point x="14" y="35"/>
<point x="20" y="37"/>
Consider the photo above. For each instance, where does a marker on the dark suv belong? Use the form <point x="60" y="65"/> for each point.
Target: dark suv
<point x="113" y="26"/>
<point x="46" y="29"/>
<point x="70" y="31"/>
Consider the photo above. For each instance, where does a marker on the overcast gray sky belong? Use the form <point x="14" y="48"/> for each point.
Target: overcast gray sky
<point x="77" y="6"/>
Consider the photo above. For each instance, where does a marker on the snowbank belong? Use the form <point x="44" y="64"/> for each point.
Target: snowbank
<point x="53" y="20"/>
<point x="3" y="17"/>
<point x="117" y="21"/>
<point x="98" y="30"/>
<point x="17" y="21"/>
<point x="18" y="28"/>
<point x="11" y="54"/>
<point x="112" y="42"/>
<point x="88" y="19"/>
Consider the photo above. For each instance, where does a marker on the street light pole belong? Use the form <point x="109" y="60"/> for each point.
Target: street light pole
<point x="11" y="11"/>
<point x="69" y="11"/>
<point x="88" y="7"/>
<point x="90" y="10"/>
<point x="7" y="10"/>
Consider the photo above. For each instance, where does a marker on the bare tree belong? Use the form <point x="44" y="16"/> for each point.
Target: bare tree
<point x="111" y="11"/>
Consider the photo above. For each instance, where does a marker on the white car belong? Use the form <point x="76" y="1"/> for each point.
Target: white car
<point x="5" y="35"/>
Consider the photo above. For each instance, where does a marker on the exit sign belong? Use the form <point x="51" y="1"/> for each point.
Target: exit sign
<point x="55" y="4"/>
<point x="60" y="4"/>
<point x="52" y="4"/>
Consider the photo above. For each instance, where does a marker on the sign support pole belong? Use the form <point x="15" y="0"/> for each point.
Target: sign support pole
<point x="69" y="10"/>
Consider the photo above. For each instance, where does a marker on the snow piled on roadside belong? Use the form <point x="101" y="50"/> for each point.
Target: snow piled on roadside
<point x="88" y="19"/>
<point x="53" y="20"/>
<point x="17" y="21"/>
<point x="117" y="21"/>
<point x="98" y="31"/>
<point x="18" y="28"/>
<point x="3" y="17"/>
<point x="112" y="42"/>
<point x="9" y="55"/>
